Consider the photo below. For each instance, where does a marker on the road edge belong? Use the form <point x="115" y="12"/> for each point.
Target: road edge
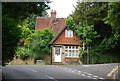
<point x="112" y="73"/>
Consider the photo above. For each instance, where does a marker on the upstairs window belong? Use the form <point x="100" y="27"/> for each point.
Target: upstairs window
<point x="68" y="33"/>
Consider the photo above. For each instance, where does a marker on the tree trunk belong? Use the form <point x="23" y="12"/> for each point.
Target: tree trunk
<point x="83" y="46"/>
<point x="87" y="55"/>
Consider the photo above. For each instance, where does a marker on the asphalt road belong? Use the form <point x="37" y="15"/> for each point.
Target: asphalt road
<point x="117" y="75"/>
<point x="57" y="72"/>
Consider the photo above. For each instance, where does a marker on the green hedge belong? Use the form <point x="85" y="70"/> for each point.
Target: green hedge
<point x="101" y="58"/>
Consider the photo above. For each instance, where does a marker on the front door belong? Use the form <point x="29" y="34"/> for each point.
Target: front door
<point x="58" y="54"/>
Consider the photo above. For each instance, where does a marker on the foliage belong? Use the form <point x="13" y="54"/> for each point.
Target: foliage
<point x="88" y="34"/>
<point x="105" y="17"/>
<point x="82" y="54"/>
<point x="107" y="44"/>
<point x="30" y="22"/>
<point x="85" y="32"/>
<point x="113" y="19"/>
<point x="99" y="58"/>
<point x="23" y="52"/>
<point x="90" y="12"/>
<point x="93" y="13"/>
<point x="13" y="13"/>
<point x="113" y="16"/>
<point x="26" y="32"/>
<point x="26" y="42"/>
<point x="70" y="23"/>
<point x="23" y="10"/>
<point x="35" y="44"/>
<point x="39" y="43"/>
<point x="10" y="37"/>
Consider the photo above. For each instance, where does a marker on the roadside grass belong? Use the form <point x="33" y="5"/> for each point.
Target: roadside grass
<point x="18" y="61"/>
<point x="29" y="61"/>
<point x="46" y="60"/>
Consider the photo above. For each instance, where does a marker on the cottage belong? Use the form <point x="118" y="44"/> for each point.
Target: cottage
<point x="65" y="45"/>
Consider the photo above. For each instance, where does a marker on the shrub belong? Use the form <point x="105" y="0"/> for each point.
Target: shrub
<point x="23" y="52"/>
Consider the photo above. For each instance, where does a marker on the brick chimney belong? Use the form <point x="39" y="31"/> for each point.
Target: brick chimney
<point x="53" y="13"/>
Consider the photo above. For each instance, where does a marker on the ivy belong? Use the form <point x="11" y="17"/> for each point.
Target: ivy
<point x="85" y="32"/>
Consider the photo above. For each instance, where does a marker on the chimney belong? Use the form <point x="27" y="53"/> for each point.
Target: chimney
<point x="53" y="13"/>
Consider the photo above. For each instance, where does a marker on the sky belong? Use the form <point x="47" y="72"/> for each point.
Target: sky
<point x="62" y="7"/>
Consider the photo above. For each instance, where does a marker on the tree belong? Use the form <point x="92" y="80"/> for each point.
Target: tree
<point x="85" y="32"/>
<point x="30" y="21"/>
<point x="113" y="16"/>
<point x="105" y="19"/>
<point x="10" y="37"/>
<point x="88" y="34"/>
<point x="23" y="51"/>
<point x="26" y="32"/>
<point x="111" y="43"/>
<point x="13" y="13"/>
<point x="93" y="13"/>
<point x="39" y="43"/>
<point x="90" y="11"/>
<point x="22" y="10"/>
<point x="113" y="19"/>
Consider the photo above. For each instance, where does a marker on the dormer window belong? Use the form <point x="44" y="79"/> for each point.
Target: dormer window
<point x="68" y="33"/>
<point x="55" y="22"/>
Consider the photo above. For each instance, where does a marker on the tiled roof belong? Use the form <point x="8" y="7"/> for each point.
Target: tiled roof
<point x="61" y="39"/>
<point x="55" y="24"/>
<point x="51" y="42"/>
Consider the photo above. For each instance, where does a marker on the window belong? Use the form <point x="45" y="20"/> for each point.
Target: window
<point x="71" y="51"/>
<point x="68" y="33"/>
<point x="57" y="50"/>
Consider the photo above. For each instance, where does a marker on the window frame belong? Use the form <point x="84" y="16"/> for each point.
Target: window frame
<point x="68" y="33"/>
<point x="71" y="52"/>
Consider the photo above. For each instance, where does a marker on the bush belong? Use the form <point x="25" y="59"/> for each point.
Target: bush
<point x="97" y="57"/>
<point x="23" y="52"/>
<point x="39" y="43"/>
<point x="101" y="58"/>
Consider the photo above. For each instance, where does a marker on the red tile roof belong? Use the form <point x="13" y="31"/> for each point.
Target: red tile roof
<point x="55" y="24"/>
<point x="61" y="39"/>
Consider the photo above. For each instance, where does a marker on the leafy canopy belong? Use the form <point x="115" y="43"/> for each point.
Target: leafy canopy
<point x="105" y="17"/>
<point x="39" y="43"/>
<point x="13" y="13"/>
<point x="86" y="32"/>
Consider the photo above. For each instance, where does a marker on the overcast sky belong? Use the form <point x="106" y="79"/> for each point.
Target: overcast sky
<point x="62" y="7"/>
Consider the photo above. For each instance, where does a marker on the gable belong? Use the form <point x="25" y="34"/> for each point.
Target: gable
<point x="61" y="39"/>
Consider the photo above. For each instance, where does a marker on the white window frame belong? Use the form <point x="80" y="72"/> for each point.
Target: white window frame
<point x="72" y="51"/>
<point x="68" y="33"/>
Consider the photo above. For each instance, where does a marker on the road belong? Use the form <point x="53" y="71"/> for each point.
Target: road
<point x="116" y="75"/>
<point x="57" y="72"/>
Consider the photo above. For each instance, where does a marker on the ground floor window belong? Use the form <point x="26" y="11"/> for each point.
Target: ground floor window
<point x="71" y="51"/>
